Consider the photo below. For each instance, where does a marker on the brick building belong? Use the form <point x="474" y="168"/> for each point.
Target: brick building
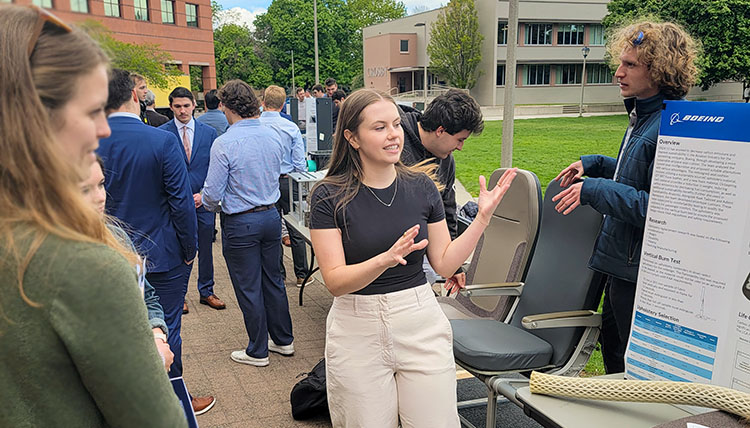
<point x="182" y="28"/>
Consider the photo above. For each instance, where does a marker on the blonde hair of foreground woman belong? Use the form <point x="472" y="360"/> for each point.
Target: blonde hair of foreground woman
<point x="38" y="181"/>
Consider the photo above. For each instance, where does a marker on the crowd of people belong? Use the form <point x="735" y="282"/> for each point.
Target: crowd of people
<point x="107" y="204"/>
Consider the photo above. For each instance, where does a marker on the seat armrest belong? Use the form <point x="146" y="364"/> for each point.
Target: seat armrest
<point x="493" y="289"/>
<point x="562" y="319"/>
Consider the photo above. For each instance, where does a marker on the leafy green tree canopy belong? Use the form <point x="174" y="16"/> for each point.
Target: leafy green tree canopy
<point x="288" y="25"/>
<point x="722" y="27"/>
<point x="147" y="59"/>
<point x="264" y="56"/>
<point x="369" y="12"/>
<point x="236" y="57"/>
<point x="455" y="44"/>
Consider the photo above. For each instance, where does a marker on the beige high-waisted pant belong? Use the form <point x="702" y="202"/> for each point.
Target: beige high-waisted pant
<point x="389" y="357"/>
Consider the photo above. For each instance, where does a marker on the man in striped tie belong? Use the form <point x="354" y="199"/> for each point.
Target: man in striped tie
<point x="196" y="139"/>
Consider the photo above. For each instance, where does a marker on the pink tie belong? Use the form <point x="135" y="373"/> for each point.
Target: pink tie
<point x="186" y="142"/>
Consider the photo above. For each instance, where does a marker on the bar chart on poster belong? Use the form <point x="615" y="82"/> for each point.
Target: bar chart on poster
<point x="691" y="320"/>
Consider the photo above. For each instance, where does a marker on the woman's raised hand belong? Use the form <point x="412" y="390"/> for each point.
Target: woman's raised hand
<point x="490" y="198"/>
<point x="404" y="246"/>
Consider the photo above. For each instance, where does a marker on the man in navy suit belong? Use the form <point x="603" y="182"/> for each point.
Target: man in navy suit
<point x="149" y="190"/>
<point x="197" y="139"/>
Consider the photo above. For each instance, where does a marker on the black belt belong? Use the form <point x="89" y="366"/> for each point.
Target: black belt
<point x="256" y="209"/>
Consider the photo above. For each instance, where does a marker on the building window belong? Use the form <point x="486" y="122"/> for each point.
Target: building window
<point x="502" y="33"/>
<point x="536" y="75"/>
<point x="43" y="3"/>
<point x="570" y="34"/>
<point x="538" y="34"/>
<point x="404" y="46"/>
<point x="141" y="10"/>
<point x="112" y="8"/>
<point x="167" y="11"/>
<point x="500" y="81"/>
<point x="598" y="73"/>
<point x="191" y="15"/>
<point x="596" y="35"/>
<point x="81" y="6"/>
<point x="569" y="74"/>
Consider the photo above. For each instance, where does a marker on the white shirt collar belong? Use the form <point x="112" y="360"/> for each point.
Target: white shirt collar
<point x="124" y="114"/>
<point x="190" y="125"/>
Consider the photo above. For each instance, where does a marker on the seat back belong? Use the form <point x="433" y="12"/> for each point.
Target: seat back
<point x="559" y="278"/>
<point x="504" y="251"/>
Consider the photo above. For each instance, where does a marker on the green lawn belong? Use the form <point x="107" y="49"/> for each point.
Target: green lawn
<point x="545" y="147"/>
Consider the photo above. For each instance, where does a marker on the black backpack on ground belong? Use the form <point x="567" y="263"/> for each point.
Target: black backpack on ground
<point x="308" y="397"/>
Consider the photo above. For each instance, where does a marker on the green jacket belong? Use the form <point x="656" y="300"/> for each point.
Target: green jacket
<point x="85" y="357"/>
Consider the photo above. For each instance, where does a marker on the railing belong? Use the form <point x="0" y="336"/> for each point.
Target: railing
<point x="418" y="94"/>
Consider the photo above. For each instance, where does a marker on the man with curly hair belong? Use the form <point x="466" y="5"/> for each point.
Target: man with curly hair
<point x="243" y="183"/>
<point x="655" y="62"/>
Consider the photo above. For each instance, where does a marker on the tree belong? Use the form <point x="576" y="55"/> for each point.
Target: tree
<point x="215" y="11"/>
<point x="455" y="46"/>
<point x="288" y="25"/>
<point x="236" y="57"/>
<point x="368" y="12"/>
<point x="722" y="26"/>
<point x="146" y="59"/>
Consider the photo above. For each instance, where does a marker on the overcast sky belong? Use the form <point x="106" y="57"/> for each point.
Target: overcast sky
<point x="245" y="11"/>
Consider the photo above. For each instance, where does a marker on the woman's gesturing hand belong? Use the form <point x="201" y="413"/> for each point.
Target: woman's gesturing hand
<point x="404" y="246"/>
<point x="490" y="198"/>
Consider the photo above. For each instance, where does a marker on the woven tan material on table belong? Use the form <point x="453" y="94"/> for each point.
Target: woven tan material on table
<point x="694" y="394"/>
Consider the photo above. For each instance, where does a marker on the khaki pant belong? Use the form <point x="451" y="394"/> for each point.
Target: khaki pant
<point x="389" y="358"/>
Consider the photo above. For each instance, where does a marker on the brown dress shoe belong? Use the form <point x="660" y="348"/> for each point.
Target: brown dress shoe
<point x="213" y="302"/>
<point x="203" y="404"/>
<point x="185" y="308"/>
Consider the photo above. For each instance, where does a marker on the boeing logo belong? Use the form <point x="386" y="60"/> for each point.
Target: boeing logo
<point x="675" y="118"/>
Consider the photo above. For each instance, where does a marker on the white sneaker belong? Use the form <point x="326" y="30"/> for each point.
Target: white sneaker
<point x="287" y="350"/>
<point x="243" y="358"/>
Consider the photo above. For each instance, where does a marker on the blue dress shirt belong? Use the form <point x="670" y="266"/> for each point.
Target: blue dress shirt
<point x="244" y="169"/>
<point x="216" y="119"/>
<point x="291" y="137"/>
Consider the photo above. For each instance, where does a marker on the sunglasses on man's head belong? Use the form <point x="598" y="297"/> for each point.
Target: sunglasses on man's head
<point x="43" y="17"/>
<point x="638" y="39"/>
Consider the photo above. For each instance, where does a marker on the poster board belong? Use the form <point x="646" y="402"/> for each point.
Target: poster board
<point x="691" y="317"/>
<point x="178" y="384"/>
<point x="311" y="125"/>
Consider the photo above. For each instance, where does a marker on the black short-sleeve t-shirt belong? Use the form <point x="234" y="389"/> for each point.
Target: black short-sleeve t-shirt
<point x="369" y="227"/>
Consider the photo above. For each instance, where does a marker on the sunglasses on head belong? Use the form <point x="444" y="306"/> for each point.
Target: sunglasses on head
<point x="44" y="16"/>
<point x="638" y="39"/>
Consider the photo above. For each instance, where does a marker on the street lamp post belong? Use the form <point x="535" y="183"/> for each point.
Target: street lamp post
<point x="293" y="88"/>
<point x="585" y="51"/>
<point x="315" y="19"/>
<point x="424" y="24"/>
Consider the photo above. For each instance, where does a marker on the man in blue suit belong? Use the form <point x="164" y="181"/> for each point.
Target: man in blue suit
<point x="149" y="190"/>
<point x="197" y="139"/>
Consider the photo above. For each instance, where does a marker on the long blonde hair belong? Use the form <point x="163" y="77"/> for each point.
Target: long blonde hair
<point x="38" y="187"/>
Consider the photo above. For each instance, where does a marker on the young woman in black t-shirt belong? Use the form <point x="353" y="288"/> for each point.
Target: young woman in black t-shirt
<point x="389" y="355"/>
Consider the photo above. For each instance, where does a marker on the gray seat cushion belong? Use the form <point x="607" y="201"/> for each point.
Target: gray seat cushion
<point x="490" y="345"/>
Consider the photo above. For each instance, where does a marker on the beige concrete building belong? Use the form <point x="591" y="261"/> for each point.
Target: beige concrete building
<point x="551" y="37"/>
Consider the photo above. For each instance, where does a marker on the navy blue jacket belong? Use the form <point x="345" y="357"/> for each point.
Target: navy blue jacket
<point x="623" y="199"/>
<point x="203" y="139"/>
<point x="148" y="189"/>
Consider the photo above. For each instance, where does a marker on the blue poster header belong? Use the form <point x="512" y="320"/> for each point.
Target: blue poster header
<point x="706" y="120"/>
